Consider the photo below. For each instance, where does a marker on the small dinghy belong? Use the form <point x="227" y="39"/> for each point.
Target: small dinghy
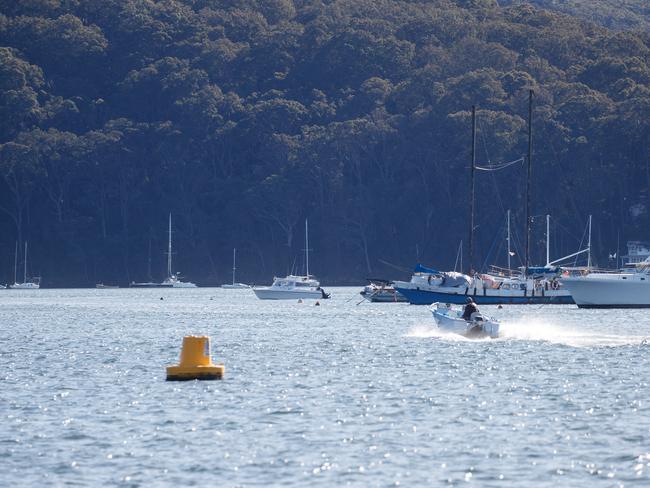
<point x="450" y="319"/>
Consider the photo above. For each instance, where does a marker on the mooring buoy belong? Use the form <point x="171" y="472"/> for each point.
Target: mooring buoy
<point x="195" y="363"/>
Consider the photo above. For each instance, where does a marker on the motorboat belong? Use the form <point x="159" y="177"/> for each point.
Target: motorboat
<point x="450" y="319"/>
<point x="293" y="286"/>
<point x="610" y="289"/>
<point x="628" y="287"/>
<point x="234" y="285"/>
<point x="33" y="284"/>
<point x="102" y="286"/>
<point x="172" y="280"/>
<point x="381" y="291"/>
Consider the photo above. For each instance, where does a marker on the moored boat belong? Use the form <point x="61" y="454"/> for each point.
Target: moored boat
<point x="527" y="285"/>
<point x="234" y="285"/>
<point x="293" y="286"/>
<point x="450" y="319"/>
<point x="32" y="284"/>
<point x="428" y="286"/>
<point x="611" y="289"/>
<point x="172" y="280"/>
<point x="381" y="291"/>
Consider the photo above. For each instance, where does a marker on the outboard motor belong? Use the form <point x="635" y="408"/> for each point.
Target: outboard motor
<point x="476" y="330"/>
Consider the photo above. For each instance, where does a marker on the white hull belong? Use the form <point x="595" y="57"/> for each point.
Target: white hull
<point x="272" y="293"/>
<point x="183" y="284"/>
<point x="150" y="285"/>
<point x="236" y="286"/>
<point x="164" y="284"/>
<point x="610" y="290"/>
<point x="24" y="286"/>
<point x="450" y="320"/>
<point x="379" y="294"/>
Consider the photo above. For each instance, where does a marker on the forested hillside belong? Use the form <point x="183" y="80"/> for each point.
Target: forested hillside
<point x="244" y="117"/>
<point x="615" y="14"/>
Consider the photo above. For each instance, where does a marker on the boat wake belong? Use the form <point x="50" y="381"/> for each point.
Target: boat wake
<point x="538" y="330"/>
<point x="547" y="331"/>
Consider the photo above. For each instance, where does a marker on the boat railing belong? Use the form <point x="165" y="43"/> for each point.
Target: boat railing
<point x="504" y="272"/>
<point x="584" y="270"/>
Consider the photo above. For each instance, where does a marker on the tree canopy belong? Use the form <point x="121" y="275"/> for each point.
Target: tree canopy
<point x="244" y="117"/>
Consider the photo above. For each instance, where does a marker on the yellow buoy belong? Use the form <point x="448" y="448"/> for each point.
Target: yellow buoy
<point x="195" y="362"/>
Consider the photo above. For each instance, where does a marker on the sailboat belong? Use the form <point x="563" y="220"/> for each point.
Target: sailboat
<point x="234" y="284"/>
<point x="172" y="280"/>
<point x="293" y="287"/>
<point x="530" y="285"/>
<point x="25" y="285"/>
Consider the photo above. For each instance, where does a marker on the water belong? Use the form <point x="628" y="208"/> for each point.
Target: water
<point x="367" y="395"/>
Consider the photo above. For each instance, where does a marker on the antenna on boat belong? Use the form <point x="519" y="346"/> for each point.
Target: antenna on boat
<point x="548" y="239"/>
<point x="530" y="152"/>
<point x="471" y="210"/>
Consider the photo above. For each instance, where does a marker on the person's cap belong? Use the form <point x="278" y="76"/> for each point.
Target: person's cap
<point x="469" y="300"/>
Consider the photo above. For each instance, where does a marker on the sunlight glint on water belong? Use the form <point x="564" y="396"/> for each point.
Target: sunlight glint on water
<point x="367" y="395"/>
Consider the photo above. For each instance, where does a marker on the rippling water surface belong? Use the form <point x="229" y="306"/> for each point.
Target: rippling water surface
<point x="341" y="394"/>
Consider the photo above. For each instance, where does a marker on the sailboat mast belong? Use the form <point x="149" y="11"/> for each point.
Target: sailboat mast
<point x="530" y="153"/>
<point x="548" y="239"/>
<point x="589" y="246"/>
<point x="169" y="248"/>
<point x="149" y="259"/>
<point x="25" y="272"/>
<point x="16" y="264"/>
<point x="234" y="250"/>
<point x="471" y="196"/>
<point x="307" y="247"/>
<point x="508" y="239"/>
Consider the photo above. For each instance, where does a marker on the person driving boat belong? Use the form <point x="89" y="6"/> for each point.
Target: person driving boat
<point x="470" y="308"/>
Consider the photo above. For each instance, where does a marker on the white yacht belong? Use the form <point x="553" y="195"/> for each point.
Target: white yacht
<point x="172" y="280"/>
<point x="613" y="289"/>
<point x="293" y="286"/>
<point x="234" y="285"/>
<point x="34" y="284"/>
